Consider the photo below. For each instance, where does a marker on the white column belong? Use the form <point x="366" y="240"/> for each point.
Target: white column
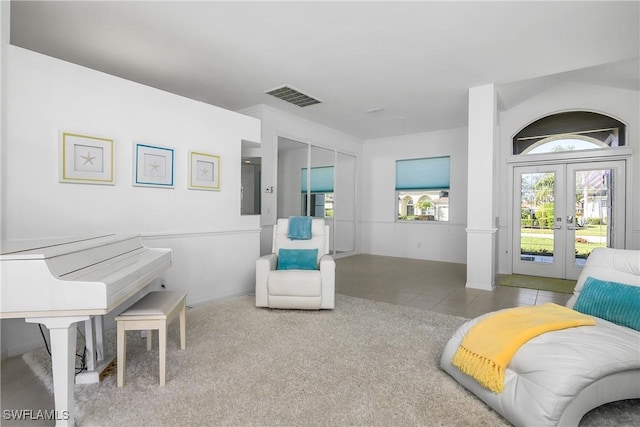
<point x="62" y="331"/>
<point x="481" y="230"/>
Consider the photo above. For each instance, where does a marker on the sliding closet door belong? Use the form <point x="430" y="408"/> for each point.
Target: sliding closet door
<point x="321" y="183"/>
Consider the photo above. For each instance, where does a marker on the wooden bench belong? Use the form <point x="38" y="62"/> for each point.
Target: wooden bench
<point x="153" y="311"/>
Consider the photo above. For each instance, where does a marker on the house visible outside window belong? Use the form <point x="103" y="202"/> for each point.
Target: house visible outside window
<point x="320" y="196"/>
<point x="422" y="189"/>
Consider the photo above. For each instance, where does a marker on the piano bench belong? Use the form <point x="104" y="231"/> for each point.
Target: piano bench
<point x="153" y="311"/>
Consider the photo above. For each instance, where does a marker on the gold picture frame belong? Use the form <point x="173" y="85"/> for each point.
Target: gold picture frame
<point x="86" y="159"/>
<point x="204" y="171"/>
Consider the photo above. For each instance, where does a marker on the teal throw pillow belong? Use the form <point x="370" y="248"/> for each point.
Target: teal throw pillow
<point x="298" y="259"/>
<point x="612" y="301"/>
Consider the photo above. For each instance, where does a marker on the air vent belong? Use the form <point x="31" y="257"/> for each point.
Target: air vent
<point x="293" y="96"/>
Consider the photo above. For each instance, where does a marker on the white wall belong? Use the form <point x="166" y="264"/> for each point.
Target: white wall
<point x="621" y="104"/>
<point x="381" y="234"/>
<point x="214" y="246"/>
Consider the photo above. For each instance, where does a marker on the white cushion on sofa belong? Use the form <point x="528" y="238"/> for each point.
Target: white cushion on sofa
<point x="616" y="265"/>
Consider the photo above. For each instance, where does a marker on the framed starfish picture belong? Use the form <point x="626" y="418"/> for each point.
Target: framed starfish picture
<point x="153" y="166"/>
<point x="86" y="159"/>
<point x="204" y="171"/>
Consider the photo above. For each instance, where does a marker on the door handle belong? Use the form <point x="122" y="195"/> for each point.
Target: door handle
<point x="572" y="227"/>
<point x="557" y="227"/>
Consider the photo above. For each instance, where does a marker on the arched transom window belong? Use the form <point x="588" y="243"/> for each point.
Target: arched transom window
<point x="571" y="131"/>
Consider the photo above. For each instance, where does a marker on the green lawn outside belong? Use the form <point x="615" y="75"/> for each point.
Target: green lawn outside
<point x="542" y="245"/>
<point x="588" y="230"/>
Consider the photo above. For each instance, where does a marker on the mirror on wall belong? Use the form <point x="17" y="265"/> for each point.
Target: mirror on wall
<point x="250" y="179"/>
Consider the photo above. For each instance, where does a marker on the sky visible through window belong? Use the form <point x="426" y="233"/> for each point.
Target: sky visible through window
<point x="562" y="145"/>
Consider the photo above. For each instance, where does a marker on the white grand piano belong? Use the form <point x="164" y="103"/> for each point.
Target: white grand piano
<point x="60" y="282"/>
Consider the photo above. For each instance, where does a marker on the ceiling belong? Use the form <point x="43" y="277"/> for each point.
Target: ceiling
<point x="413" y="61"/>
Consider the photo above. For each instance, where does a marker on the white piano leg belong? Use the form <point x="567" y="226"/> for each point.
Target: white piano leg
<point x="99" y="338"/>
<point x="62" y="331"/>
<point x="94" y="355"/>
<point x="93" y="336"/>
<point x="90" y="343"/>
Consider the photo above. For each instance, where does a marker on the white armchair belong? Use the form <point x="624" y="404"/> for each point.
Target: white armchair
<point x="311" y="289"/>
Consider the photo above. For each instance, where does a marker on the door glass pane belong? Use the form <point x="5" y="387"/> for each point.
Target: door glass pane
<point x="593" y="204"/>
<point x="537" y="213"/>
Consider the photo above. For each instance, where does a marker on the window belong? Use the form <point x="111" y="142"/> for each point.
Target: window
<point x="320" y="196"/>
<point x="576" y="130"/>
<point x="559" y="143"/>
<point x="422" y="189"/>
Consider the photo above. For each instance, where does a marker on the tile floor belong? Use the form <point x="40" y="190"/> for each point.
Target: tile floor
<point x="429" y="285"/>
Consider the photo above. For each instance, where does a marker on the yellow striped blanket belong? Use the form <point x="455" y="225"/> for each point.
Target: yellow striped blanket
<point x="489" y="345"/>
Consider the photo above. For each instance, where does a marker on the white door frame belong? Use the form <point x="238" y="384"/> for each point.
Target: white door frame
<point x="603" y="158"/>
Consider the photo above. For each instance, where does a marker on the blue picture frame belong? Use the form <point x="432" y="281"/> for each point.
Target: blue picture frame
<point x="153" y="166"/>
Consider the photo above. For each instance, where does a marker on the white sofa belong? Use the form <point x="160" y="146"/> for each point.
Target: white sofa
<point x="557" y="377"/>
<point x="297" y="289"/>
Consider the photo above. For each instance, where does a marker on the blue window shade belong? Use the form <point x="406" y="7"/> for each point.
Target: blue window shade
<point x="321" y="180"/>
<point x="423" y="174"/>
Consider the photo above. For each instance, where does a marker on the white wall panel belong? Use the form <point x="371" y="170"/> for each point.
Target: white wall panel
<point x="381" y="234"/>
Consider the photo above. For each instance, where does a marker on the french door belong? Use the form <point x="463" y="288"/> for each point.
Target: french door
<point x="562" y="212"/>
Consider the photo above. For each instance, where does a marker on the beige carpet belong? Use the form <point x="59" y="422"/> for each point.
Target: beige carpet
<point x="365" y="363"/>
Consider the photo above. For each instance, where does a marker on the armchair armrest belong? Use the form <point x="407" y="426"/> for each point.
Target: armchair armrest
<point x="267" y="262"/>
<point x="327" y="262"/>
<point x="328" y="273"/>
<point x="264" y="265"/>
